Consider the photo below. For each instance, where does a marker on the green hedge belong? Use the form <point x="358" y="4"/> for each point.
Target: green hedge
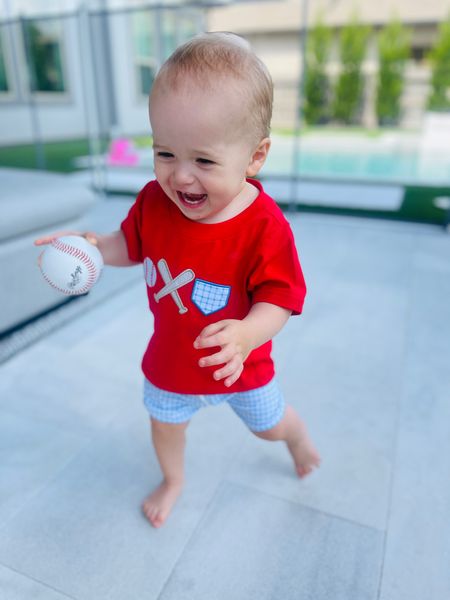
<point x="350" y="84"/>
<point x="394" y="47"/>
<point x="317" y="89"/>
<point x="439" y="57"/>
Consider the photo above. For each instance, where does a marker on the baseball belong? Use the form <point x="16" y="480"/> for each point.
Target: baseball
<point x="71" y="265"/>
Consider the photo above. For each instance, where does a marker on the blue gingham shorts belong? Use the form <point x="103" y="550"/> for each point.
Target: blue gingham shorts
<point x="260" y="409"/>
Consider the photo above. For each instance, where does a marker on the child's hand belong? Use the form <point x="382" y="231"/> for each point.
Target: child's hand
<point x="48" y="239"/>
<point x="238" y="338"/>
<point x="232" y="337"/>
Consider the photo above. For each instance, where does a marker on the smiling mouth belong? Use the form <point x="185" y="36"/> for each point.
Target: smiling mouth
<point x="191" y="199"/>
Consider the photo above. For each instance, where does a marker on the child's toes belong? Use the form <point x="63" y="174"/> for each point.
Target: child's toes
<point x="157" y="520"/>
<point x="303" y="471"/>
<point x="148" y="510"/>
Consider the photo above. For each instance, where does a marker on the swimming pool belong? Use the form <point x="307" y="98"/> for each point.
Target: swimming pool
<point x="362" y="162"/>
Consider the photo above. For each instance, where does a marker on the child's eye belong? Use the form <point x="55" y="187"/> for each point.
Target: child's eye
<point x="205" y="161"/>
<point x="164" y="155"/>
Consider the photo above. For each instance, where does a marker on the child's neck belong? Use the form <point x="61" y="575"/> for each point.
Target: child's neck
<point x="243" y="200"/>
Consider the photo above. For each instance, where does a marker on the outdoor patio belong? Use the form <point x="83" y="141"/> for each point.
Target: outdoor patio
<point x="366" y="365"/>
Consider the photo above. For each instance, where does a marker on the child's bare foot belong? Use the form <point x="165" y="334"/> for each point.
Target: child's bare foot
<point x="302" y="450"/>
<point x="158" y="505"/>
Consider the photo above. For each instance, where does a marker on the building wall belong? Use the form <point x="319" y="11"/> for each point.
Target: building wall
<point x="273" y="29"/>
<point x="95" y="102"/>
<point x="64" y="113"/>
<point x="102" y="94"/>
<point x="286" y="15"/>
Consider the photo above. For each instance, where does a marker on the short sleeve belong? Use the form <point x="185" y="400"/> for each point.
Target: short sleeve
<point x="132" y="228"/>
<point x="277" y="277"/>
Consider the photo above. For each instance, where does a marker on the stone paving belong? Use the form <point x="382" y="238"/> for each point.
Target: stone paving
<point x="367" y="365"/>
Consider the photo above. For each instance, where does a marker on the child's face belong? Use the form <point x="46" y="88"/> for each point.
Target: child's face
<point x="201" y="153"/>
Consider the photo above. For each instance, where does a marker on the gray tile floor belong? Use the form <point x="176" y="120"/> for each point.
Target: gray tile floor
<point x="367" y="365"/>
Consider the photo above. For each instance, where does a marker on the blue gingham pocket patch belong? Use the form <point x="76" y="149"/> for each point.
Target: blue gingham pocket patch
<point x="210" y="297"/>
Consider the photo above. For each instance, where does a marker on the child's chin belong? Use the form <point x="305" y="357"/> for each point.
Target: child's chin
<point x="195" y="212"/>
<point x="193" y="206"/>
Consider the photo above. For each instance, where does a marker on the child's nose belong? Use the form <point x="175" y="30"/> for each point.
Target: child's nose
<point x="182" y="175"/>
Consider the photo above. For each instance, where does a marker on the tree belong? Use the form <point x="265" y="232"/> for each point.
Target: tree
<point x="439" y="98"/>
<point x="316" y="101"/>
<point x="349" y="86"/>
<point x="394" y="46"/>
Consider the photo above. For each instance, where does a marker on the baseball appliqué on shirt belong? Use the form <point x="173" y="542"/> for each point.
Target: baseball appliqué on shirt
<point x="207" y="296"/>
<point x="173" y="284"/>
<point x="149" y="272"/>
<point x="210" y="297"/>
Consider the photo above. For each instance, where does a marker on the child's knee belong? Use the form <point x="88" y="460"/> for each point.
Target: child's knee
<point x="162" y="427"/>
<point x="271" y="435"/>
<point x="278" y="431"/>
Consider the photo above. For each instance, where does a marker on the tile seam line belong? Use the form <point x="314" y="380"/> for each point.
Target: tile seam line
<point x="306" y="507"/>
<point x="31" y="578"/>
<point x="194" y="531"/>
<point x="398" y="415"/>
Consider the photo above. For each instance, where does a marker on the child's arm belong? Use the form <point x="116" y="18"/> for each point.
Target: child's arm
<point x="237" y="338"/>
<point x="112" y="246"/>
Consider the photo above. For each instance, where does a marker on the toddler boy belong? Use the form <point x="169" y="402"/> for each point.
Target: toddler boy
<point x="219" y="257"/>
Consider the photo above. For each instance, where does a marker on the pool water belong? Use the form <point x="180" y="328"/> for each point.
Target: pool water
<point x="365" y="165"/>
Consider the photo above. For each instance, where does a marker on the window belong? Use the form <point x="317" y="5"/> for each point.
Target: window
<point x="4" y="84"/>
<point x="188" y="26"/>
<point x="419" y="54"/>
<point x="43" y="41"/>
<point x="156" y="34"/>
<point x="169" y="33"/>
<point x="145" y="44"/>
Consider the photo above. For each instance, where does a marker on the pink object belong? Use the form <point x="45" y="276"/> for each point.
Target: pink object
<point x="122" y="152"/>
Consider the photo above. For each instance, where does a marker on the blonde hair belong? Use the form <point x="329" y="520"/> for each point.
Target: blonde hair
<point x="211" y="57"/>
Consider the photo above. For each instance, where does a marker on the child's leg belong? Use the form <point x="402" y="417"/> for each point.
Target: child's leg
<point x="169" y="442"/>
<point x="292" y="430"/>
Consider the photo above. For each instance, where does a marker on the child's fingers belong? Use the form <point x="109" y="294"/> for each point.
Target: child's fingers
<point x="234" y="376"/>
<point x="48" y="239"/>
<point x="228" y="370"/>
<point x="219" y="358"/>
<point x="218" y="339"/>
<point x="44" y="240"/>
<point x="209" y="330"/>
<point x="229" y="382"/>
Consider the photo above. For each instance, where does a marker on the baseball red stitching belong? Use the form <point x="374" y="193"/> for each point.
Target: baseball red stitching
<point x="85" y="259"/>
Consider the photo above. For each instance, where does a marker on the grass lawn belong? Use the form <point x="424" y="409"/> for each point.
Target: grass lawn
<point x="59" y="156"/>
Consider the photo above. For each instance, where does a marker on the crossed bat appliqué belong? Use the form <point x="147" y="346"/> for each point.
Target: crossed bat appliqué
<point x="208" y="297"/>
<point x="173" y="284"/>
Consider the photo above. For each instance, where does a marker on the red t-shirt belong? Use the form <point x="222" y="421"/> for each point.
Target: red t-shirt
<point x="199" y="274"/>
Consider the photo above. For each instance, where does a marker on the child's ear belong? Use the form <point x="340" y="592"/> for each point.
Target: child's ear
<point x="258" y="157"/>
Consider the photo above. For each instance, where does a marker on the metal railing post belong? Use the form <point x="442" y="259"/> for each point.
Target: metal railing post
<point x="295" y="173"/>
